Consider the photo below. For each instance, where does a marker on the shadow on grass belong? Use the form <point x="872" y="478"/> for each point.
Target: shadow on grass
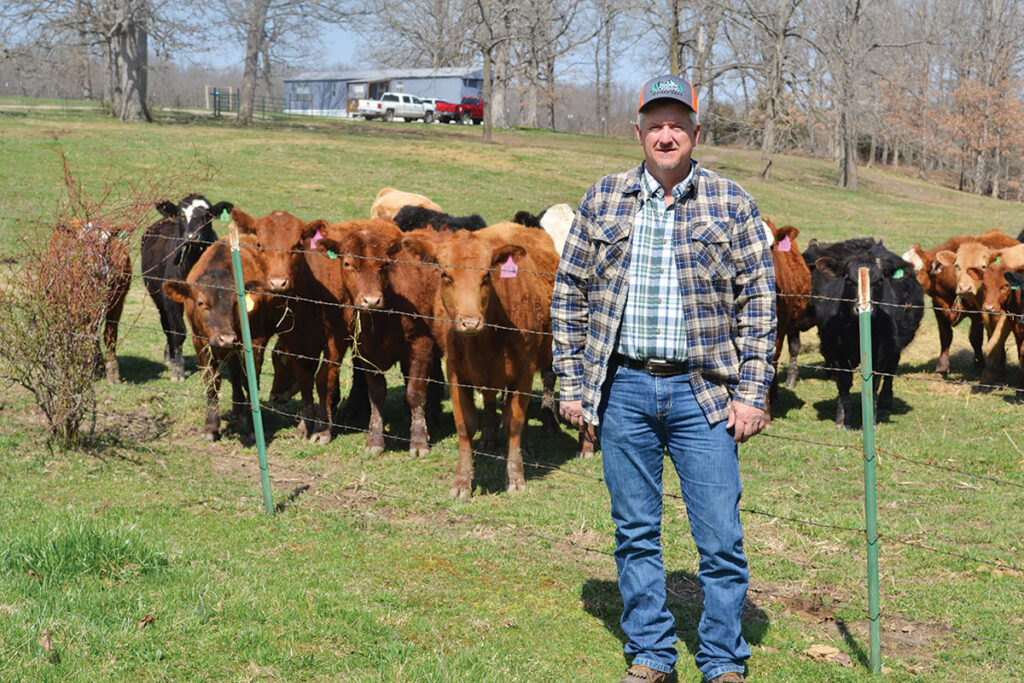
<point x="138" y="370"/>
<point x="601" y="599"/>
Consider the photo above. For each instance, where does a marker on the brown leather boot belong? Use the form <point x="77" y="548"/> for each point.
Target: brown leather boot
<point x="638" y="673"/>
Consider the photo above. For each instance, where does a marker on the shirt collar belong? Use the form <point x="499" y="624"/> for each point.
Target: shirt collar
<point x="651" y="188"/>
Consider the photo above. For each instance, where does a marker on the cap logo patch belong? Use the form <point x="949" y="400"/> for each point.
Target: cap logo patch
<point x="665" y="86"/>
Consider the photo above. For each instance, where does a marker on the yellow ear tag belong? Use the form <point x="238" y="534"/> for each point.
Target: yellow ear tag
<point x="250" y="303"/>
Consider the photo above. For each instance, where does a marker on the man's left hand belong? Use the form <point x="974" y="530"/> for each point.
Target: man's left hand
<point x="745" y="421"/>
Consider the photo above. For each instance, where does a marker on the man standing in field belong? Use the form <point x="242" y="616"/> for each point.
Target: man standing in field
<point x="664" y="328"/>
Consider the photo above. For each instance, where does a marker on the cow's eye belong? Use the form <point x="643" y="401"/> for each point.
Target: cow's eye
<point x="446" y="278"/>
<point x="487" y="278"/>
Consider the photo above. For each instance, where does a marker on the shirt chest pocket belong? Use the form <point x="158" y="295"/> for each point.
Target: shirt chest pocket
<point x="610" y="246"/>
<point x="712" y="254"/>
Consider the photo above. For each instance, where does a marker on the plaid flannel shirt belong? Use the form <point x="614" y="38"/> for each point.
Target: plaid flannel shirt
<point x="726" y="277"/>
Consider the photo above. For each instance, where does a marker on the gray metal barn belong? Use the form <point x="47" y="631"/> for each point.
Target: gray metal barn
<point x="334" y="93"/>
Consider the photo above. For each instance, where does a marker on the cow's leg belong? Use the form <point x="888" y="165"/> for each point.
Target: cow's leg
<point x="416" y="395"/>
<point x="490" y="440"/>
<point x="327" y="388"/>
<point x="174" y="328"/>
<point x="464" y="411"/>
<point x="514" y="414"/>
<point x="357" y="411"/>
<point x="110" y="341"/>
<point x="995" y="349"/>
<point x="976" y="335"/>
<point x="285" y="384"/>
<point x="211" y="382"/>
<point x="376" y="387"/>
<point x="435" y="389"/>
<point x="586" y="445"/>
<point x="888" y="368"/>
<point x="241" y="411"/>
<point x="844" y="406"/>
<point x="946" y="340"/>
<point x="793" y="372"/>
<point x="548" y="405"/>
<point x="303" y="371"/>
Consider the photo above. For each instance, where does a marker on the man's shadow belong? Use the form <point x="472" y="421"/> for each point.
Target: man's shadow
<point x="602" y="599"/>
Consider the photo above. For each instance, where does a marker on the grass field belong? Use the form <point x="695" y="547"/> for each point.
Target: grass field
<point x="146" y="555"/>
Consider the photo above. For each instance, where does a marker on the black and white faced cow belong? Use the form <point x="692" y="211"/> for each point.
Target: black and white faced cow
<point x="896" y="310"/>
<point x="170" y="247"/>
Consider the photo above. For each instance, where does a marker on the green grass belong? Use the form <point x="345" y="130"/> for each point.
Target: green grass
<point x="372" y="573"/>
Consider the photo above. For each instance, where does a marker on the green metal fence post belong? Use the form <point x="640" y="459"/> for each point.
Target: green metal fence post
<point x="867" y="402"/>
<point x="250" y="369"/>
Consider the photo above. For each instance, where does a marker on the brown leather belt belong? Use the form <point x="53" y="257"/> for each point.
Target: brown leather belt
<point x="658" y="367"/>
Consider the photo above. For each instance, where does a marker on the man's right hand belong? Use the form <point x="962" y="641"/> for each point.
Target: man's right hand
<point x="572" y="412"/>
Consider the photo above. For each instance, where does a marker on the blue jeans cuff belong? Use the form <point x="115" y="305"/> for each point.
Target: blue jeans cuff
<point x="652" y="664"/>
<point x="718" y="671"/>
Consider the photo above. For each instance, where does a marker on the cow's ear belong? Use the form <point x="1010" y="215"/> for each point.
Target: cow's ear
<point x="946" y="257"/>
<point x="421" y="249"/>
<point x="1014" y="278"/>
<point x="246" y="223"/>
<point x="217" y="210"/>
<point x="913" y="257"/>
<point x="328" y="244"/>
<point x="310" y="229"/>
<point x="829" y="267"/>
<point x="976" y="273"/>
<point x="502" y="254"/>
<point x="789" y="230"/>
<point x="167" y="209"/>
<point x="179" y="290"/>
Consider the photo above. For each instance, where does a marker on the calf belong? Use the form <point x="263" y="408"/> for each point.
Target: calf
<point x="493" y="320"/>
<point x="939" y="281"/>
<point x="411" y="218"/>
<point x="896" y="310"/>
<point x="389" y="201"/>
<point x="1002" y="303"/>
<point x="105" y="265"/>
<point x="312" y="295"/>
<point x="210" y="301"/>
<point x="393" y="295"/>
<point x="793" y="289"/>
<point x="170" y="247"/>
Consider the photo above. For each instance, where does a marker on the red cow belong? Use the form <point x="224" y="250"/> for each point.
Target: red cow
<point x="313" y="295"/>
<point x="493" y="313"/>
<point x="211" y="308"/>
<point x="392" y="295"/>
<point x="938" y="277"/>
<point x="1002" y="303"/>
<point x="793" y="290"/>
<point x="102" y="254"/>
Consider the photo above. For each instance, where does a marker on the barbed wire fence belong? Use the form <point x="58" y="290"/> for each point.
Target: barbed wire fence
<point x="933" y="547"/>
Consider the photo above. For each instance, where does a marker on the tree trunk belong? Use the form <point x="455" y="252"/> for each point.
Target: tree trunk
<point x="488" y="97"/>
<point x="130" y="60"/>
<point x="254" y="42"/>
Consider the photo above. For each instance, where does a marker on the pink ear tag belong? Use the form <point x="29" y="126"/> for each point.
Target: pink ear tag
<point x="316" y="238"/>
<point x="786" y="244"/>
<point x="509" y="268"/>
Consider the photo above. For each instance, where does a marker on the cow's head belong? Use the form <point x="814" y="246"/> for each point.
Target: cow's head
<point x="1000" y="286"/>
<point x="467" y="265"/>
<point x="194" y="217"/>
<point x="969" y="263"/>
<point x="361" y="249"/>
<point x="281" y="239"/>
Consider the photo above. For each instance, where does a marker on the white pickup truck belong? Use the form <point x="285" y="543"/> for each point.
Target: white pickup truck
<point x="395" y="105"/>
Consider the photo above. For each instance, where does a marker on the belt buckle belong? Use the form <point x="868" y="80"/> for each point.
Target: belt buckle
<point x="656" y="366"/>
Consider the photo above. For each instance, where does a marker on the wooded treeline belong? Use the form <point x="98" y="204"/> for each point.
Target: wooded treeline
<point x="929" y="84"/>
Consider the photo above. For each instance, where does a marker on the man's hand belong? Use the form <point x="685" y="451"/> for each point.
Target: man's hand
<point x="572" y="412"/>
<point x="745" y="421"/>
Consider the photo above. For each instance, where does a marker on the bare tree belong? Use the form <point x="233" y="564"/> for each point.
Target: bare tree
<point x="419" y="33"/>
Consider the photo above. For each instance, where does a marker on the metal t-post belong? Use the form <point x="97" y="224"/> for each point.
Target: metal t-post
<point x="867" y="402"/>
<point x="250" y="369"/>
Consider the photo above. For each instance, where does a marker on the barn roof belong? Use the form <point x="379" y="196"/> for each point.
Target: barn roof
<point x="387" y="74"/>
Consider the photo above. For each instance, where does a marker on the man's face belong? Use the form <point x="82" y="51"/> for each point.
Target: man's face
<point x="668" y="135"/>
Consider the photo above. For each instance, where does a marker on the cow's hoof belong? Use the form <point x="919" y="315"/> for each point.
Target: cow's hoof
<point x="516" y="487"/>
<point x="459" y="492"/>
<point x="177" y="378"/>
<point x="419" y="451"/>
<point x="374" y="450"/>
<point x="320" y="438"/>
<point x="211" y="436"/>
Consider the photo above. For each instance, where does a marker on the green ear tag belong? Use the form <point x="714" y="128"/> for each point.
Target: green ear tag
<point x="897" y="274"/>
<point x="1015" y="287"/>
<point x="331" y="254"/>
<point x="998" y="260"/>
<point x="224" y="215"/>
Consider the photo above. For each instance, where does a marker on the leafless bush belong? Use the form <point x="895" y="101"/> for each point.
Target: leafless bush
<point x="57" y="299"/>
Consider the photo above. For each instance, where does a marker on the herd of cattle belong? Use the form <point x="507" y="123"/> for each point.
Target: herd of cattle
<point x="412" y="284"/>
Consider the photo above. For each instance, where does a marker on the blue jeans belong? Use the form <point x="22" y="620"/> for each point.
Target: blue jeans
<point x="641" y="417"/>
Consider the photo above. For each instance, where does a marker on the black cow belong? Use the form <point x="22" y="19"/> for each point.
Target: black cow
<point x="411" y="218"/>
<point x="170" y="247"/>
<point x="897" y="305"/>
